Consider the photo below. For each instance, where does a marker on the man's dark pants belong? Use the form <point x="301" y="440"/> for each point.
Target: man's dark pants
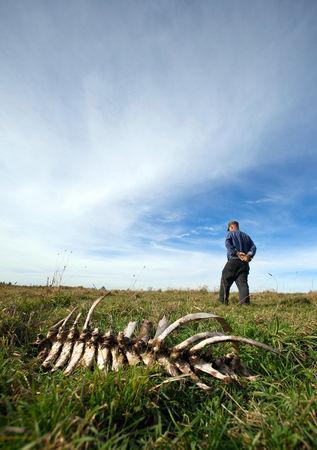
<point x="236" y="271"/>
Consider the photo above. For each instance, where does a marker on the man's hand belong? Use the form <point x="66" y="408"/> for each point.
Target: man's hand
<point x="244" y="257"/>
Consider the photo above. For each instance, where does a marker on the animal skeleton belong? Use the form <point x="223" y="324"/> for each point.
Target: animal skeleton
<point x="67" y="348"/>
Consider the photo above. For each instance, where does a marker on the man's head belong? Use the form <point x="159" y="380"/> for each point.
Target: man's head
<point x="233" y="225"/>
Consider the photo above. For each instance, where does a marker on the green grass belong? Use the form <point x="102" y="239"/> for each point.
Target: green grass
<point x="91" y="410"/>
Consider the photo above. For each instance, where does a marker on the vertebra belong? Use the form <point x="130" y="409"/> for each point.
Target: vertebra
<point x="68" y="348"/>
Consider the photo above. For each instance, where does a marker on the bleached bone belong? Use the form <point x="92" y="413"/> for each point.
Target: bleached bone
<point x="103" y="353"/>
<point x="170" y="367"/>
<point x="110" y="352"/>
<point x="104" y="358"/>
<point x="59" y="323"/>
<point x="55" y="327"/>
<point x="128" y="348"/>
<point x="91" y="310"/>
<point x="145" y="330"/>
<point x="117" y="350"/>
<point x="45" y="348"/>
<point x="218" y="339"/>
<point x="78" y="351"/>
<point x="185" y="369"/>
<point x="141" y="344"/>
<point x="203" y="366"/>
<point x="88" y="357"/>
<point x="45" y="343"/>
<point x="147" y="357"/>
<point x="107" y="339"/>
<point x="58" y="344"/>
<point x="85" y="335"/>
<point x="180" y="348"/>
<point x="121" y="339"/>
<point x="53" y="354"/>
<point x="118" y="358"/>
<point x="129" y="330"/>
<point x="132" y="357"/>
<point x="52" y="332"/>
<point x="184" y="320"/>
<point x="162" y="325"/>
<point x="68" y="346"/>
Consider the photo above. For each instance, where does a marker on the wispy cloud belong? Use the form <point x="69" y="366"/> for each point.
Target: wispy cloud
<point x="268" y="199"/>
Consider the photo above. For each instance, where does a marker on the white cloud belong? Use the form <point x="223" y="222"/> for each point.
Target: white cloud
<point x="269" y="199"/>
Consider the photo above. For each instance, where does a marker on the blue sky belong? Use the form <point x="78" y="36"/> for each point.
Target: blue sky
<point x="132" y="131"/>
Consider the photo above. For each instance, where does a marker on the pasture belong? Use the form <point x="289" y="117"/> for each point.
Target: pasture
<point x="132" y="408"/>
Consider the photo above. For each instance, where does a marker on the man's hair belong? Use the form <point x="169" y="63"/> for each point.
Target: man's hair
<point x="233" y="222"/>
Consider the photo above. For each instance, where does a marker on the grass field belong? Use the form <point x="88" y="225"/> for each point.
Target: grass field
<point x="128" y="409"/>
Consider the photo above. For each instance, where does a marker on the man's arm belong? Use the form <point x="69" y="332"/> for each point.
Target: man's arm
<point x="232" y="251"/>
<point x="252" y="250"/>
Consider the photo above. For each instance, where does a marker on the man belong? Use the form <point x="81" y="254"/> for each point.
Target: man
<point x="240" y="251"/>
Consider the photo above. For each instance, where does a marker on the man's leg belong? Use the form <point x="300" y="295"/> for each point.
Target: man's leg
<point x="227" y="279"/>
<point x="242" y="285"/>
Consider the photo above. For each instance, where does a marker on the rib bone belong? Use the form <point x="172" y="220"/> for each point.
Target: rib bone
<point x="91" y="310"/>
<point x="203" y="366"/>
<point x="45" y="344"/>
<point x="184" y="367"/>
<point x="180" y="348"/>
<point x="79" y="346"/>
<point x="218" y="339"/>
<point x="58" y="344"/>
<point x="187" y="319"/>
<point x="77" y="352"/>
<point x="68" y="345"/>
